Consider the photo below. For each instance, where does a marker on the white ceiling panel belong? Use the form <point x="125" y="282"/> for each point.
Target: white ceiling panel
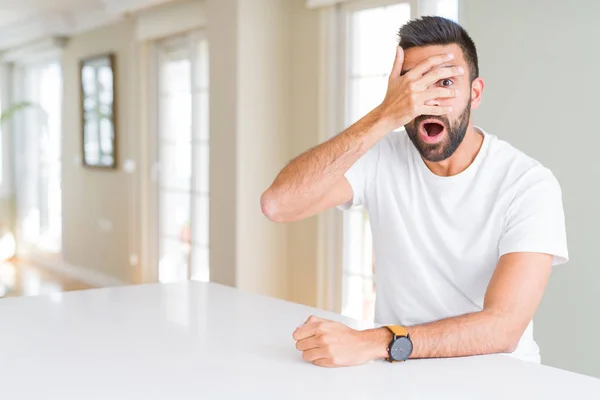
<point x="23" y="21"/>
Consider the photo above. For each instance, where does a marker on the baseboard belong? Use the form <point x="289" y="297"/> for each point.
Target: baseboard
<point x="84" y="275"/>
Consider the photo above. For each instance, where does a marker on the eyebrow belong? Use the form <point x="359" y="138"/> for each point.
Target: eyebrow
<point x="404" y="71"/>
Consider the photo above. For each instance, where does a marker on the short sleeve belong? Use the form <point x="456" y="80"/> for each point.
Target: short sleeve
<point x="535" y="220"/>
<point x="361" y="176"/>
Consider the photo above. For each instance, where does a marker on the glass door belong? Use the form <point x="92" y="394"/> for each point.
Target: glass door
<point x="38" y="167"/>
<point x="182" y="159"/>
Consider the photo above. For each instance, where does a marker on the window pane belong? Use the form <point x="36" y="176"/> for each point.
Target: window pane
<point x="89" y="105"/>
<point x="200" y="270"/>
<point x="176" y="77"/>
<point x="105" y="79"/>
<point x="175" y="165"/>
<point x="91" y="132"/>
<point x="374" y="38"/>
<point x="92" y="146"/>
<point x="176" y="117"/>
<point x="106" y="159"/>
<point x="173" y="260"/>
<point x="38" y="141"/>
<point x="366" y="94"/>
<point x="106" y="136"/>
<point x="367" y="259"/>
<point x="183" y="146"/>
<point x="174" y="214"/>
<point x="88" y="78"/>
<point x="359" y="298"/>
<point x="353" y="241"/>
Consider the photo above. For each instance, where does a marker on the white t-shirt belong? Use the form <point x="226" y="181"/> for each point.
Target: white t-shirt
<point x="437" y="240"/>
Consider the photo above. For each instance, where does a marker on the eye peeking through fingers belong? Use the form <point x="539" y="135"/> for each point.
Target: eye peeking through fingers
<point x="446" y="82"/>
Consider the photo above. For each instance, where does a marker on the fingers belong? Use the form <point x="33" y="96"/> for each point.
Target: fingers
<point x="305" y="331"/>
<point x="432" y="97"/>
<point x="315" y="354"/>
<point x="308" y="329"/>
<point x="307" y="344"/>
<point x="398" y="61"/>
<point x="439" y="93"/>
<point x="438" y="74"/>
<point x="434" y="110"/>
<point x="324" y="362"/>
<point x="427" y="65"/>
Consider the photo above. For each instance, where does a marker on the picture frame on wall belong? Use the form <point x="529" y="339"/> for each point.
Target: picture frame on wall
<point x="98" y="111"/>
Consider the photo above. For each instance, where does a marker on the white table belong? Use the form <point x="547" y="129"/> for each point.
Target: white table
<point x="192" y="340"/>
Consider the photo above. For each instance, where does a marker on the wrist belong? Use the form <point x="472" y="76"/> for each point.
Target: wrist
<point x="383" y="120"/>
<point x="386" y="119"/>
<point x="378" y="340"/>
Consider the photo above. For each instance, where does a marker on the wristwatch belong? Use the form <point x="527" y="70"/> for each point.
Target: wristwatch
<point x="401" y="346"/>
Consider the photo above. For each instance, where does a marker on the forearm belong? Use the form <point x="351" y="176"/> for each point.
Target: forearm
<point x="466" y="335"/>
<point x="307" y="178"/>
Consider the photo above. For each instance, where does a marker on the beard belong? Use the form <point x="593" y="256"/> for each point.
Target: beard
<point x="442" y="150"/>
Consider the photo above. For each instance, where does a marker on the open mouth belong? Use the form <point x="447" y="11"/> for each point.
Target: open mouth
<point x="431" y="130"/>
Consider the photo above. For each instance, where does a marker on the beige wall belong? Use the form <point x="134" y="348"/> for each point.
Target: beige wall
<point x="251" y="108"/>
<point x="6" y="212"/>
<point x="223" y="49"/>
<point x="263" y="115"/>
<point x="304" y="134"/>
<point x="97" y="204"/>
<point x="250" y="126"/>
<point x="263" y="111"/>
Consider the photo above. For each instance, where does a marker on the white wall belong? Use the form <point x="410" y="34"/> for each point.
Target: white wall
<point x="540" y="60"/>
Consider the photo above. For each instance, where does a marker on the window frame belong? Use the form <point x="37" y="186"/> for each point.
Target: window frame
<point x="333" y="75"/>
<point x="188" y="41"/>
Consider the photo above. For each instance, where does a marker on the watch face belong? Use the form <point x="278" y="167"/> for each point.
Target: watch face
<point x="401" y="349"/>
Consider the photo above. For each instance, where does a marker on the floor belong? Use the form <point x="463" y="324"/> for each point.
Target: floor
<point x="23" y="279"/>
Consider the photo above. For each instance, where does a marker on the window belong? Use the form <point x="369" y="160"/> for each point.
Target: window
<point x="2" y="158"/>
<point x="370" y="39"/>
<point x="183" y="159"/>
<point x="443" y="8"/>
<point x="38" y="167"/>
<point x="370" y="50"/>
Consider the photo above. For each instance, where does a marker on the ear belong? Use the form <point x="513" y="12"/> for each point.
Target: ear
<point x="476" y="92"/>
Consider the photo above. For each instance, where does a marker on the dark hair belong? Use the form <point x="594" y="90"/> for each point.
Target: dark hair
<point x="429" y="31"/>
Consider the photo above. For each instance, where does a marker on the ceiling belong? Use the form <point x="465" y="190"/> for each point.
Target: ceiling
<point x="24" y="21"/>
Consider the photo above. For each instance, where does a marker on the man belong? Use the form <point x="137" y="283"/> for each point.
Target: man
<point x="465" y="227"/>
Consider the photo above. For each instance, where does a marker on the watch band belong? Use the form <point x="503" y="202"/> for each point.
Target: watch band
<point x="398" y="330"/>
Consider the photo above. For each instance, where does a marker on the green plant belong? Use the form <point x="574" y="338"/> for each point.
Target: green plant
<point x="12" y="110"/>
<point x="9" y="223"/>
